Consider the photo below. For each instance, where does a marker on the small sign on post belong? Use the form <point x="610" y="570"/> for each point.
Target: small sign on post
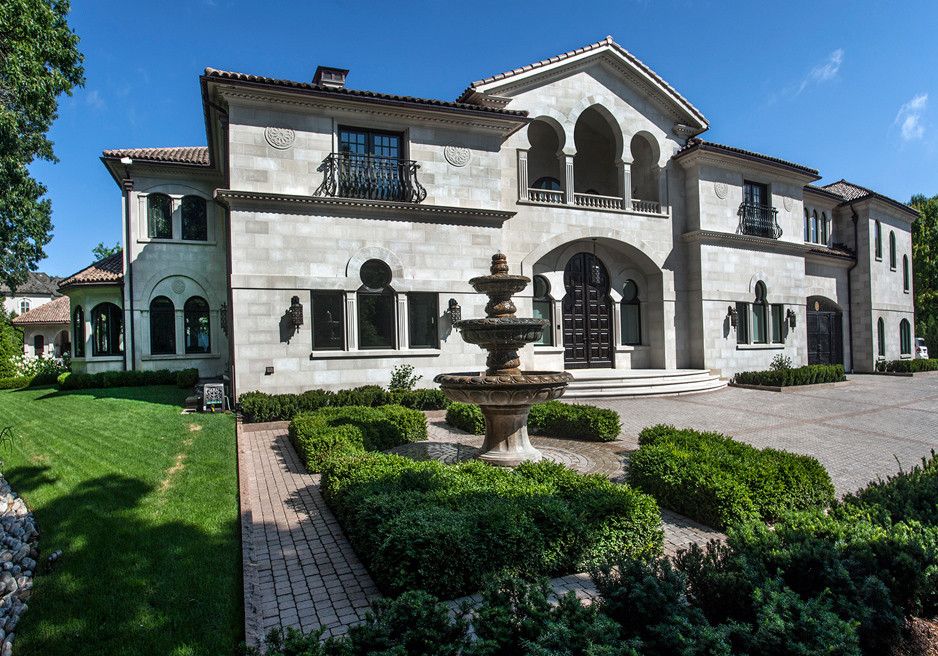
<point x="213" y="396"/>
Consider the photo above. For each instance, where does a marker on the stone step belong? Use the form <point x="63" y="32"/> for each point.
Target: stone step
<point x="648" y="382"/>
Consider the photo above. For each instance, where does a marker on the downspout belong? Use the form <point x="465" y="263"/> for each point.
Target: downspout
<point x="127" y="184"/>
<point x="856" y="260"/>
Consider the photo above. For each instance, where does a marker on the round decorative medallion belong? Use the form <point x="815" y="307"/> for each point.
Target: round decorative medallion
<point x="720" y="189"/>
<point x="786" y="202"/>
<point x="457" y="155"/>
<point x="178" y="286"/>
<point x="280" y="138"/>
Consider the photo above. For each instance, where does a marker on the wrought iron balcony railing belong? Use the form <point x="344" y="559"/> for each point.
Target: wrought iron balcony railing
<point x="759" y="221"/>
<point x="370" y="177"/>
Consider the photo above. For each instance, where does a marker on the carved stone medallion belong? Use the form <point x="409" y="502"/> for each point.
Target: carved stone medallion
<point x="280" y="138"/>
<point x="457" y="155"/>
<point x="178" y="286"/>
<point x="720" y="189"/>
<point x="786" y="202"/>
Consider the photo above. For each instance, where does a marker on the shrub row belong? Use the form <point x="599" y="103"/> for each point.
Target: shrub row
<point x="721" y="482"/>
<point x="445" y="528"/>
<point x="72" y="381"/>
<point x="807" y="375"/>
<point x="259" y="406"/>
<point x="907" y="366"/>
<point x="343" y="431"/>
<point x="553" y="418"/>
<point x="15" y="382"/>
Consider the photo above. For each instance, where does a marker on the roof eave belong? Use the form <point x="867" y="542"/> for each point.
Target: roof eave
<point x="688" y="154"/>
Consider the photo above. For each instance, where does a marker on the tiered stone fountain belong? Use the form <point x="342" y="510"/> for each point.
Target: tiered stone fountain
<point x="503" y="391"/>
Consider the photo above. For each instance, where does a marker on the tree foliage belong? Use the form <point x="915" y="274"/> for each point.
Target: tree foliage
<point x="11" y="344"/>
<point x="101" y="251"/>
<point x="39" y="60"/>
<point x="925" y="269"/>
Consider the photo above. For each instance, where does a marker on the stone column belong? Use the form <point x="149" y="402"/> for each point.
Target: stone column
<point x="351" y="321"/>
<point x="523" y="182"/>
<point x="403" y="326"/>
<point x="663" y="189"/>
<point x="625" y="184"/>
<point x="567" y="161"/>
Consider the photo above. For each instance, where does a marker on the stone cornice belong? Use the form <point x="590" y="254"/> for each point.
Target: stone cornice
<point x="750" y="242"/>
<point x="739" y="162"/>
<point x="259" y="201"/>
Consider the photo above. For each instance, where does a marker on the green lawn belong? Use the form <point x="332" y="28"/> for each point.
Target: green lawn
<point x="142" y="501"/>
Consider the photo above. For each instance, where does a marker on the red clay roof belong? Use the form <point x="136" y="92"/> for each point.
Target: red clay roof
<point x="197" y="155"/>
<point x="851" y="192"/>
<point x="699" y="144"/>
<point x="110" y="270"/>
<point x="56" y="311"/>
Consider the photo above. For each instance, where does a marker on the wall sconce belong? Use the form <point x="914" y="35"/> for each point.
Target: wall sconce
<point x="792" y="318"/>
<point x="223" y="318"/>
<point x="732" y="315"/>
<point x="296" y="312"/>
<point x="454" y="311"/>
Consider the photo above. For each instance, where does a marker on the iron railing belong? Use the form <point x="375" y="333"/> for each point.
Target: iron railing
<point x="346" y="175"/>
<point x="759" y="221"/>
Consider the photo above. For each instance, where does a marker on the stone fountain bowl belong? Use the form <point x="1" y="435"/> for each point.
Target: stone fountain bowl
<point x="501" y="332"/>
<point x="501" y="283"/>
<point x="504" y="389"/>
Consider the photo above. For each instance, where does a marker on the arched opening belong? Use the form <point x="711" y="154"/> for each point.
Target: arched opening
<point x="39" y="345"/>
<point x="905" y="337"/>
<point x="587" y="321"/>
<point x="892" y="250"/>
<point x="107" y="327"/>
<point x="543" y="309"/>
<point x="631" y="311"/>
<point x="545" y="173"/>
<point x="881" y="338"/>
<point x="62" y="344"/>
<point x="905" y="273"/>
<point x="595" y="164"/>
<point x="162" y="326"/>
<point x="197" y="326"/>
<point x="825" y="331"/>
<point x="645" y="172"/>
<point x="159" y="216"/>
<point x="78" y="332"/>
<point x="376" y="301"/>
<point x="194" y="218"/>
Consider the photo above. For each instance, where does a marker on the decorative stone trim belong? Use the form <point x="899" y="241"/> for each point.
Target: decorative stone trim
<point x="457" y="155"/>
<point x="279" y="138"/>
<point x="19" y="550"/>
<point x="759" y="243"/>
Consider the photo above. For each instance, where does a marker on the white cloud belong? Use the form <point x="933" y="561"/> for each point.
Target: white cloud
<point x="94" y="99"/>
<point x="826" y="70"/>
<point x="909" y="118"/>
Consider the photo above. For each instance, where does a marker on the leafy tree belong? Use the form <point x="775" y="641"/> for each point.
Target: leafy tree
<point x="39" y="60"/>
<point x="101" y="251"/>
<point x="11" y="344"/>
<point x="925" y="269"/>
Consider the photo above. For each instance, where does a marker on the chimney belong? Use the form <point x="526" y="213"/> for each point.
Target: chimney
<point x="331" y="78"/>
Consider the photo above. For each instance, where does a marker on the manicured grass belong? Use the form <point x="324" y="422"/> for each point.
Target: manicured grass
<point x="143" y="503"/>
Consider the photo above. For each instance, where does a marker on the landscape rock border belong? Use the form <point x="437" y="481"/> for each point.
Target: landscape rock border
<point x="19" y="550"/>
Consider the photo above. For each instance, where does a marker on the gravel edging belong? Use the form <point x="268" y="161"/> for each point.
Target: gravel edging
<point x="19" y="549"/>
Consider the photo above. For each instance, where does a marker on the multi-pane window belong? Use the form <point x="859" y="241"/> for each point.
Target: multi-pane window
<point x="631" y="311"/>
<point x="194" y="218"/>
<point x="543" y="309"/>
<point x="327" y="316"/>
<point x="196" y="326"/>
<point x="107" y="330"/>
<point x="881" y="338"/>
<point x="905" y="337"/>
<point x="376" y="299"/>
<point x="878" y="240"/>
<point x="162" y="326"/>
<point x="24" y="306"/>
<point x="825" y="228"/>
<point x="814" y="226"/>
<point x="370" y="164"/>
<point x="78" y="332"/>
<point x="760" y="322"/>
<point x="892" y="250"/>
<point x="778" y="324"/>
<point x="422" y="311"/>
<point x="159" y="216"/>
<point x="755" y="193"/>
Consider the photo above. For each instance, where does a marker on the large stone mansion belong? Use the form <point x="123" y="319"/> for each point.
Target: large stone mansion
<point x="326" y="234"/>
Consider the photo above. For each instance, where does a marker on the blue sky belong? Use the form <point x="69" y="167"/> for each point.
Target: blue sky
<point x="849" y="88"/>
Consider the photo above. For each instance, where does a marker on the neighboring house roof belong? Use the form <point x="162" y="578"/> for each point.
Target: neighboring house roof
<point x="37" y="283"/>
<point x="195" y="155"/>
<point x="851" y="192"/>
<point x="213" y="73"/>
<point x="56" y="311"/>
<point x="607" y="43"/>
<point x="108" y="271"/>
<point x="696" y="144"/>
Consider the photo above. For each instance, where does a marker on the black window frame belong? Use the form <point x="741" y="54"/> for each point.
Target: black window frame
<point x="544" y="300"/>
<point x="162" y="320"/>
<point x="39" y="345"/>
<point x="433" y="302"/>
<point x="880" y="338"/>
<point x="905" y="337"/>
<point x="625" y="306"/>
<point x="150" y="226"/>
<point x="906" y="277"/>
<point x="113" y="325"/>
<point x="748" y="197"/>
<point x="78" y="332"/>
<point x="892" y="250"/>
<point x="186" y="220"/>
<point x="192" y="314"/>
<point x="877" y="240"/>
<point x="370" y="146"/>
<point x="316" y="299"/>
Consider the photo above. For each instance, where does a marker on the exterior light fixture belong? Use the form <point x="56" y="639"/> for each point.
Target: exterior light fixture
<point x="732" y="315"/>
<point x="454" y="311"/>
<point x="792" y="318"/>
<point x="296" y="312"/>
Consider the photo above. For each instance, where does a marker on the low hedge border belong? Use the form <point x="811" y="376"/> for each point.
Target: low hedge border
<point x="907" y="366"/>
<point x="259" y="407"/>
<point x="811" y="374"/>
<point x="184" y="378"/>
<point x="447" y="528"/>
<point x="15" y="382"/>
<point x="721" y="482"/>
<point x="330" y="432"/>
<point x="551" y="418"/>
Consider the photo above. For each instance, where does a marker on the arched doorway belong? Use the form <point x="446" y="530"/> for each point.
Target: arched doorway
<point x="587" y="323"/>
<point x="825" y="332"/>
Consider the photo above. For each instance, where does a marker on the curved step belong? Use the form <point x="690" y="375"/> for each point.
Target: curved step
<point x="645" y="382"/>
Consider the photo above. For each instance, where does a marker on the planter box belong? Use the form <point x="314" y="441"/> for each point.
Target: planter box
<point x="791" y="388"/>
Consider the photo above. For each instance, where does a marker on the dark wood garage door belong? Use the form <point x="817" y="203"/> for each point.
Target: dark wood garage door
<point x="587" y="323"/>
<point x="825" y="337"/>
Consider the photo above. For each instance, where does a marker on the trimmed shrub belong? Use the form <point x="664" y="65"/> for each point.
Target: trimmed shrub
<point x="807" y="375"/>
<point x="419" y="399"/>
<point x="574" y="421"/>
<point x="187" y="378"/>
<point x="721" y="482"/>
<point x="138" y="378"/>
<point x="445" y="528"/>
<point x="15" y="382"/>
<point x="331" y="432"/>
<point x="907" y="366"/>
<point x="260" y="406"/>
<point x="467" y="417"/>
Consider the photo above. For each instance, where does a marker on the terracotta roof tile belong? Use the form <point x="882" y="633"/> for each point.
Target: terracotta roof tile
<point x="699" y="144"/>
<point x="851" y="192"/>
<point x="56" y="311"/>
<point x="110" y="270"/>
<point x="197" y="155"/>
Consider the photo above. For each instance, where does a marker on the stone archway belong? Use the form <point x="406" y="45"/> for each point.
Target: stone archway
<point x="587" y="314"/>
<point x="825" y="331"/>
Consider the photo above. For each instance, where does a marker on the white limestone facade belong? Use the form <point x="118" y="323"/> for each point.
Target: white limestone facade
<point x="367" y="214"/>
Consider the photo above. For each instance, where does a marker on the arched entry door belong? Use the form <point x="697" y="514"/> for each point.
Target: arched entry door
<point x="587" y="324"/>
<point x="825" y="334"/>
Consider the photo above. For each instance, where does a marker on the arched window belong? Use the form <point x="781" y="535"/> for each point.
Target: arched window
<point x="905" y="337"/>
<point x="905" y="273"/>
<point x="107" y="334"/>
<point x="544" y="309"/>
<point x="194" y="218"/>
<point x="759" y="318"/>
<point x="24" y="306"/>
<point x="376" y="320"/>
<point x="159" y="216"/>
<point x="39" y="345"/>
<point x="881" y="338"/>
<point x="814" y="227"/>
<point x="892" y="250"/>
<point x="825" y="228"/>
<point x="162" y="326"/>
<point x="878" y="240"/>
<point x="78" y="333"/>
<point x="631" y="312"/>
<point x="548" y="183"/>
<point x="807" y="226"/>
<point x="196" y="326"/>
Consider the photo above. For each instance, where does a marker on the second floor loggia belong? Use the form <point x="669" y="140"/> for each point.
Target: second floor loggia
<point x="603" y="173"/>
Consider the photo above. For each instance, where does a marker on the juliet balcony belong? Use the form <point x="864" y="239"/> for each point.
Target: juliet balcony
<point x="758" y="221"/>
<point x="369" y="177"/>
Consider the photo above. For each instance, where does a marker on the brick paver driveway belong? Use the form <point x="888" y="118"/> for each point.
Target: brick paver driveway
<point x="858" y="431"/>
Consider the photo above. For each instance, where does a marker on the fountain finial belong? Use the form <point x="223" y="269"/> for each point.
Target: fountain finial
<point x="499" y="264"/>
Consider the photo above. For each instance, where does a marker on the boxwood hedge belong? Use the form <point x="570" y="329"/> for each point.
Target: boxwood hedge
<point x="721" y="482"/>
<point x="907" y="366"/>
<point x="552" y="418"/>
<point x="446" y="528"/>
<point x="260" y="406"/>
<point x="807" y="375"/>
<point x="184" y="378"/>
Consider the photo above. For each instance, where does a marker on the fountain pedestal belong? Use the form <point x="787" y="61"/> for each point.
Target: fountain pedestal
<point x="503" y="391"/>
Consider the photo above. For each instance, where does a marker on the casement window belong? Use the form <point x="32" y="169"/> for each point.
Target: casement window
<point x="807" y="226"/>
<point x="422" y="313"/>
<point x="24" y="306"/>
<point x="327" y="314"/>
<point x="878" y="240"/>
<point x="756" y="194"/>
<point x="814" y="226"/>
<point x="742" y="323"/>
<point x="370" y="163"/>
<point x="631" y="314"/>
<point x="162" y="326"/>
<point x="159" y="216"/>
<point x="880" y="338"/>
<point x="905" y="337"/>
<point x="78" y="333"/>
<point x="107" y="330"/>
<point x="892" y="250"/>
<point x="825" y="228"/>
<point x="194" y="218"/>
<point x="376" y="301"/>
<point x="905" y="274"/>
<point x="778" y="324"/>
<point x="760" y="322"/>
<point x="197" y="326"/>
<point x="544" y="309"/>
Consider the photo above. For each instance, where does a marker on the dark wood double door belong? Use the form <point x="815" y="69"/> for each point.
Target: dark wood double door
<point x="825" y="337"/>
<point x="587" y="310"/>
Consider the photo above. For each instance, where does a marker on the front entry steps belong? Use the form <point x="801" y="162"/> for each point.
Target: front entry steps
<point x="601" y="383"/>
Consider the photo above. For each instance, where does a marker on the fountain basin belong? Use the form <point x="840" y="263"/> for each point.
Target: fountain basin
<point x="510" y="332"/>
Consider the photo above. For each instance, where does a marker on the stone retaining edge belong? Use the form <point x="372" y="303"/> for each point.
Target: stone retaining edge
<point x="790" y="388"/>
